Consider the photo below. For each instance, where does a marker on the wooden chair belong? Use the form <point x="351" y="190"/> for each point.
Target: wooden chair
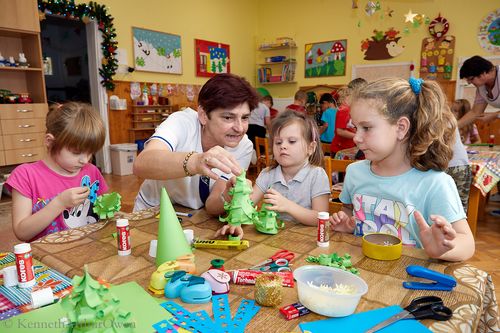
<point x="325" y="147"/>
<point x="263" y="158"/>
<point x="333" y="165"/>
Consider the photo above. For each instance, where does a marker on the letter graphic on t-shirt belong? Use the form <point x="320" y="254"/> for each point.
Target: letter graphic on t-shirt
<point x="382" y="215"/>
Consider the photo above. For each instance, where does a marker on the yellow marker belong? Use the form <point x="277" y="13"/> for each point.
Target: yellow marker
<point x="221" y="244"/>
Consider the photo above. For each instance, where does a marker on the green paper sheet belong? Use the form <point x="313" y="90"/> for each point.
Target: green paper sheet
<point x="144" y="308"/>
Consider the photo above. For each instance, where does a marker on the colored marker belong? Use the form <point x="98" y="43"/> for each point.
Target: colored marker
<point x="183" y="214"/>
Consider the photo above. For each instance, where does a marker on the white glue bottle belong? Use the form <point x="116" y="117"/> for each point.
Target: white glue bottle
<point x="24" y="265"/>
<point x="323" y="239"/>
<point x="123" y="232"/>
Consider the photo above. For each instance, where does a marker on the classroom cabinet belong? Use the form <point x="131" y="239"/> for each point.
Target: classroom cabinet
<point x="22" y="126"/>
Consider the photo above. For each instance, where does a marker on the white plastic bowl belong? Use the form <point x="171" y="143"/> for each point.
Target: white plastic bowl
<point x="323" y="302"/>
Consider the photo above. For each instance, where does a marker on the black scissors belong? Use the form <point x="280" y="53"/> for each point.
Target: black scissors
<point x="426" y="307"/>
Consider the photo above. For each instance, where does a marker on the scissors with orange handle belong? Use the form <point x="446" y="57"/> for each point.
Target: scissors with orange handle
<point x="281" y="254"/>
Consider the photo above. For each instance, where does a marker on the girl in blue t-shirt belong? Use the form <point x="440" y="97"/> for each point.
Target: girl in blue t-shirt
<point x="406" y="131"/>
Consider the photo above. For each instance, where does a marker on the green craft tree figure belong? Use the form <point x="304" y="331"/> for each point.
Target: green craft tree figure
<point x="268" y="222"/>
<point x="219" y="66"/>
<point x="140" y="61"/>
<point x="161" y="51"/>
<point x="241" y="209"/>
<point x="92" y="308"/>
<point x="213" y="67"/>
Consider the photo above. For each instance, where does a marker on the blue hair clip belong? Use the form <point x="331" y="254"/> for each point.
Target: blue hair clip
<point x="416" y="85"/>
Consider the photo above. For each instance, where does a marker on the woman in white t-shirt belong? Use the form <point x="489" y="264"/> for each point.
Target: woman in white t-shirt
<point x="192" y="154"/>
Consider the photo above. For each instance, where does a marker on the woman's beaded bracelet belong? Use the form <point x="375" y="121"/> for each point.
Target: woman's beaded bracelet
<point x="185" y="164"/>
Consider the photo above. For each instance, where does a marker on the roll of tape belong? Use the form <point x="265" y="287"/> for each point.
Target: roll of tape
<point x="189" y="234"/>
<point x="382" y="246"/>
<point x="42" y="297"/>
<point x="152" y="248"/>
<point x="10" y="276"/>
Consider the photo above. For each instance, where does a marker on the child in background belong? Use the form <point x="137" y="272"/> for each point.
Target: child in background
<point x="406" y="131"/>
<point x="258" y="122"/>
<point x="299" y="102"/>
<point x="295" y="185"/>
<point x="344" y="130"/>
<point x="469" y="133"/>
<point x="328" y="115"/>
<point x="268" y="101"/>
<point x="58" y="192"/>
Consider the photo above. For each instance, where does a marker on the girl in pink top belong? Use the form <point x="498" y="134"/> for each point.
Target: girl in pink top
<point x="58" y="192"/>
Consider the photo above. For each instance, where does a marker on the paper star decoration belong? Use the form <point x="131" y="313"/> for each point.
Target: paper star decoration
<point x="410" y="16"/>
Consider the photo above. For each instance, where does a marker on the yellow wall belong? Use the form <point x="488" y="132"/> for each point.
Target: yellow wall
<point x="323" y="20"/>
<point x="243" y="24"/>
<point x="226" y="21"/>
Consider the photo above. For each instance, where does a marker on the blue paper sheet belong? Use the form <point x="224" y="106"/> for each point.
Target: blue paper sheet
<point x="360" y="322"/>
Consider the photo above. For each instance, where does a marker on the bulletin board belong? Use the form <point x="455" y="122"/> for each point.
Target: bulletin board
<point x="373" y="72"/>
<point x="468" y="91"/>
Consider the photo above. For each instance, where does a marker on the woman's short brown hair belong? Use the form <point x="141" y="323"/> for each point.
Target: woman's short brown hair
<point x="227" y="91"/>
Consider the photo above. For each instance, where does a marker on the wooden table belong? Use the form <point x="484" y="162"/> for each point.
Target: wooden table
<point x="473" y="300"/>
<point x="486" y="174"/>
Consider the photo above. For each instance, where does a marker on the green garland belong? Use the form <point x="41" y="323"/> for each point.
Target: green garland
<point x="86" y="12"/>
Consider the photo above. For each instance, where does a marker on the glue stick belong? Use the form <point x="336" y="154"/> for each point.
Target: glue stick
<point x="123" y="238"/>
<point x="323" y="239"/>
<point x="24" y="265"/>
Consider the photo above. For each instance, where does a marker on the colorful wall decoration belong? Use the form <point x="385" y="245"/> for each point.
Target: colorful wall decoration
<point x="325" y="58"/>
<point x="382" y="45"/>
<point x="211" y="58"/>
<point x="156" y="51"/>
<point x="489" y="32"/>
<point x="438" y="50"/>
<point x="436" y="60"/>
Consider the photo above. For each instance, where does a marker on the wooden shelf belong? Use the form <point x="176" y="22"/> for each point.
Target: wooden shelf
<point x="141" y="113"/>
<point x="22" y="126"/>
<point x="279" y="62"/>
<point x="8" y="32"/>
<point x="269" y="72"/>
<point x="21" y="69"/>
<point x="142" y="129"/>
<point x="153" y="106"/>
<point x="279" y="82"/>
<point x="158" y="114"/>
<point x="147" y="121"/>
<point x="281" y="47"/>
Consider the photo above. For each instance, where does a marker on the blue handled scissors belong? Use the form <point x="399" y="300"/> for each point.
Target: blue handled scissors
<point x="426" y="307"/>
<point x="279" y="265"/>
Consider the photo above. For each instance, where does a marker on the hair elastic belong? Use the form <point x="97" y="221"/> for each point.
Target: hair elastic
<point x="416" y="85"/>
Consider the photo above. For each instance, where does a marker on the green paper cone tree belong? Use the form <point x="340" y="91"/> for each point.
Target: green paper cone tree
<point x="241" y="210"/>
<point x="268" y="222"/>
<point x="171" y="240"/>
<point x="92" y="308"/>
